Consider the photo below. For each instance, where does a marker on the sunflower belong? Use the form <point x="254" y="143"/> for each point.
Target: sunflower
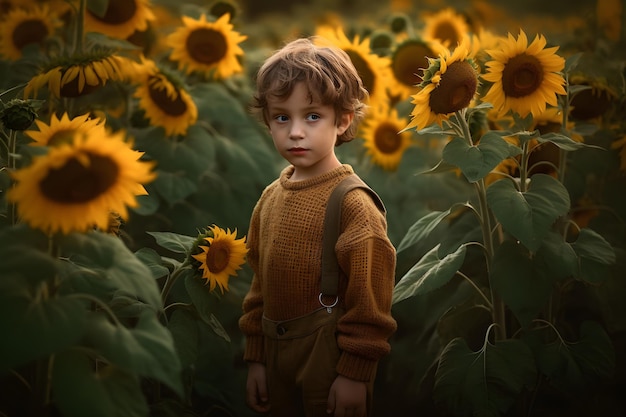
<point x="525" y="77"/>
<point x="121" y="18"/>
<point x="448" y="85"/>
<point x="222" y="257"/>
<point x="164" y="100"/>
<point x="373" y="69"/>
<point x="593" y="102"/>
<point x="21" y="27"/>
<point x="383" y="140"/>
<point x="446" y="26"/>
<point x="75" y="186"/>
<point x="408" y="60"/>
<point x="63" y="130"/>
<point x="81" y="75"/>
<point x="207" y="47"/>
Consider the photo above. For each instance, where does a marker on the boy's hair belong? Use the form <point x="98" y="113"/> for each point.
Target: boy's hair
<point x="327" y="72"/>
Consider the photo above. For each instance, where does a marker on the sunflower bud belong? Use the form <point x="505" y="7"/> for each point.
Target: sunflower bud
<point x="19" y="114"/>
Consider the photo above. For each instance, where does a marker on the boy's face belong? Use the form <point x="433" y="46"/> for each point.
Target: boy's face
<point x="305" y="132"/>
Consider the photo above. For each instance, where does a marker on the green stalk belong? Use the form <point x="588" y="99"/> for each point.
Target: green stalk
<point x="12" y="162"/>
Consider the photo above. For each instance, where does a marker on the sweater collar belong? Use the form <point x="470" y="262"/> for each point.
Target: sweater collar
<point x="339" y="172"/>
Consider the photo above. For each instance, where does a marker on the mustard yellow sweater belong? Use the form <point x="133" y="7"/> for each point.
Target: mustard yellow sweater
<point x="285" y="251"/>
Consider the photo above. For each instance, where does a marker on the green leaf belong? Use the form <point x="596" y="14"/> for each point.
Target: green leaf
<point x="562" y="141"/>
<point x="557" y="257"/>
<point x="173" y="242"/>
<point x="476" y="161"/>
<point x="422" y="228"/>
<point x="205" y="303"/>
<point x="35" y="326"/>
<point x="147" y="204"/>
<point x="595" y="255"/>
<point x="174" y="187"/>
<point x="98" y="7"/>
<point x="147" y="349"/>
<point x="152" y="260"/>
<point x="523" y="285"/>
<point x="100" y="264"/>
<point x="486" y="382"/>
<point x="184" y="328"/>
<point x="108" y="391"/>
<point x="528" y="216"/>
<point x="429" y="273"/>
<point x="574" y="365"/>
<point x="441" y="166"/>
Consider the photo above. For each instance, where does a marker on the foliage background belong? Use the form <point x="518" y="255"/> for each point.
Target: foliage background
<point x="214" y="174"/>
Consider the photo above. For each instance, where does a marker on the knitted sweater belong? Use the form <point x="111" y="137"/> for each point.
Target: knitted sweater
<point x="285" y="250"/>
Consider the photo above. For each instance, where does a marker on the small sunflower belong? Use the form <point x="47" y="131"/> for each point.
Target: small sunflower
<point x="222" y="257"/>
<point x="594" y="102"/>
<point x="408" y="60"/>
<point x="207" y="47"/>
<point x="63" y="130"/>
<point x="446" y="26"/>
<point x="81" y="75"/>
<point x="373" y="69"/>
<point x="525" y="77"/>
<point x="384" y="141"/>
<point x="21" y="27"/>
<point x="121" y="18"/>
<point x="164" y="100"/>
<point x="75" y="187"/>
<point x="448" y="85"/>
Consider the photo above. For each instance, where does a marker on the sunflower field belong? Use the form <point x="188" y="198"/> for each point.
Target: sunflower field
<point x="130" y="163"/>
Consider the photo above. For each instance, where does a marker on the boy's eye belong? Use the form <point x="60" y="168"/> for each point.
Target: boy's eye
<point x="281" y="118"/>
<point x="313" y="117"/>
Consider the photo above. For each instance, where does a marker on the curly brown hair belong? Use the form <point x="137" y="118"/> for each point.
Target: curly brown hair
<point x="327" y="72"/>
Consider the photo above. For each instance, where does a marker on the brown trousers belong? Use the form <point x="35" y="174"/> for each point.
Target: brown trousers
<point x="301" y="356"/>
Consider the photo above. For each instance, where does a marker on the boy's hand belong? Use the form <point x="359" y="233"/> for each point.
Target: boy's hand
<point x="256" y="388"/>
<point x="347" y="398"/>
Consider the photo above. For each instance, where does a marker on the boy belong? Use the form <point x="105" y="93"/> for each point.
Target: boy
<point x="308" y="355"/>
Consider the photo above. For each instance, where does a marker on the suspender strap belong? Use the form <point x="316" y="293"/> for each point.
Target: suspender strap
<point x="332" y="228"/>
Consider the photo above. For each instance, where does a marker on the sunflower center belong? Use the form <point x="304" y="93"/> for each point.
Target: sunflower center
<point x="30" y="31"/>
<point x="75" y="182"/>
<point x="456" y="88"/>
<point x="407" y="62"/>
<point x="72" y="88"/>
<point x="365" y="72"/>
<point x="171" y="106"/>
<point x="118" y="12"/>
<point x="387" y="139"/>
<point x="218" y="256"/>
<point x="522" y="76"/>
<point x="207" y="46"/>
<point x="446" y="32"/>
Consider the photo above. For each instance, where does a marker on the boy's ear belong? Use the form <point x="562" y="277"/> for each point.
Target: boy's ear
<point x="344" y="122"/>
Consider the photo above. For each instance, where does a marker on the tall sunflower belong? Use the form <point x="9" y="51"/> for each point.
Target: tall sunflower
<point x="63" y="130"/>
<point x="445" y="26"/>
<point x="373" y="69"/>
<point x="75" y="187"/>
<point x="164" y="99"/>
<point x="448" y="85"/>
<point x="80" y="75"/>
<point x="384" y="141"/>
<point x="208" y="47"/>
<point x="525" y="77"/>
<point x="21" y="27"/>
<point x="408" y="59"/>
<point x="121" y="18"/>
<point x="221" y="257"/>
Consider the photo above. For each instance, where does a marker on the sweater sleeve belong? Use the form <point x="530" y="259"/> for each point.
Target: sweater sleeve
<point x="250" y="322"/>
<point x="368" y="259"/>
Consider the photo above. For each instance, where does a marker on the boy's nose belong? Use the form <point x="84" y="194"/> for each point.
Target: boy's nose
<point x="296" y="131"/>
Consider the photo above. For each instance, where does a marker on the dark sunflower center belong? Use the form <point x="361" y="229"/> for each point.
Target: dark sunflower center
<point x="207" y="46"/>
<point x="456" y="88"/>
<point x="363" y="69"/>
<point x="71" y="89"/>
<point x="75" y="183"/>
<point x="446" y="32"/>
<point x="218" y="256"/>
<point x="30" y="31"/>
<point x="175" y="107"/>
<point x="408" y="62"/>
<point x="118" y="12"/>
<point x="387" y="139"/>
<point x="522" y="76"/>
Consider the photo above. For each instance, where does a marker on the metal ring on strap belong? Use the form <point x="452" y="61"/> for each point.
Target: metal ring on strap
<point x="331" y="305"/>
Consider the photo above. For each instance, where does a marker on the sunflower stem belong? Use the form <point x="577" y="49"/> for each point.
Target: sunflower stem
<point x="12" y="163"/>
<point x="171" y="280"/>
<point x="523" y="168"/>
<point x="80" y="27"/>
